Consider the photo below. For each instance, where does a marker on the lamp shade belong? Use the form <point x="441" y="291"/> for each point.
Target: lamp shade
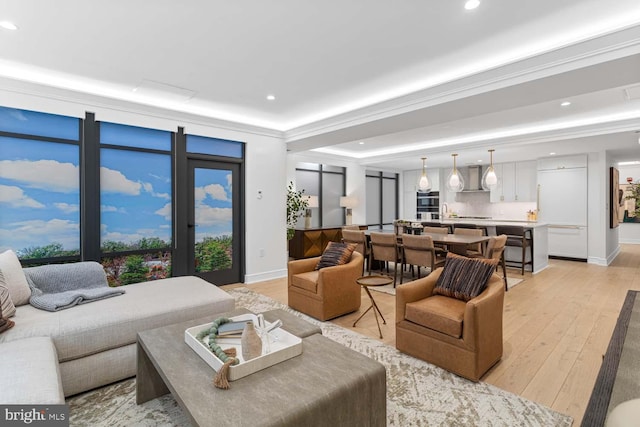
<point x="455" y="181"/>
<point x="313" y="201"/>
<point x="489" y="178"/>
<point x="348" y="202"/>
<point x="423" y="182"/>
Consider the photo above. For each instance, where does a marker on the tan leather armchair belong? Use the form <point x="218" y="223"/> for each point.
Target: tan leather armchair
<point x="326" y="293"/>
<point x="462" y="337"/>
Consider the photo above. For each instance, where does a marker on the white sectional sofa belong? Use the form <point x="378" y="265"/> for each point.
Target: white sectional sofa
<point x="94" y="344"/>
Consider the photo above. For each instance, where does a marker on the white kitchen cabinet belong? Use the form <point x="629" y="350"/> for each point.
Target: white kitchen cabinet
<point x="568" y="241"/>
<point x="563" y="162"/>
<point x="526" y="182"/>
<point x="516" y="182"/>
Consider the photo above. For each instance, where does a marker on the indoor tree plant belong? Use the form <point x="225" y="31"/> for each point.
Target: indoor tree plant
<point x="296" y="204"/>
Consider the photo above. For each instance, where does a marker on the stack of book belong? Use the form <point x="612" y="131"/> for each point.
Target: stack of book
<point x="232" y="329"/>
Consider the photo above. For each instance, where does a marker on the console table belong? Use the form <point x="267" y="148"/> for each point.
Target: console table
<point x="310" y="242"/>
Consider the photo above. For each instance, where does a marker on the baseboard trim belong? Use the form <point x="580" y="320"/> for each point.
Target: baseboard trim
<point x="267" y="275"/>
<point x="598" y="261"/>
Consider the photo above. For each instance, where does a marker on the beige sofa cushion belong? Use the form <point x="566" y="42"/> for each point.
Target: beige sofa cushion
<point x="13" y="278"/>
<point x="114" y="322"/>
<point x="30" y="372"/>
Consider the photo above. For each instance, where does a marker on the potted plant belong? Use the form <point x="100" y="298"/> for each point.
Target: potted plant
<point x="296" y="204"/>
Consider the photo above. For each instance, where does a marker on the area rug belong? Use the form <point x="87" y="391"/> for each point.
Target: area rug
<point x="418" y="393"/>
<point x="389" y="289"/>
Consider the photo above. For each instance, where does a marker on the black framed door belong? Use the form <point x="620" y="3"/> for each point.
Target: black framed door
<point x="214" y="223"/>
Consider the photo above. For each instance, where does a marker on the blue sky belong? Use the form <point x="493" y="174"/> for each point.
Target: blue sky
<point x="39" y="196"/>
<point x="39" y="185"/>
<point x="213" y="202"/>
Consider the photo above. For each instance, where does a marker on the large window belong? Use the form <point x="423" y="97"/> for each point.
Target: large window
<point x="76" y="189"/>
<point x="39" y="185"/>
<point x="382" y="199"/>
<point x="328" y="183"/>
<point x="135" y="202"/>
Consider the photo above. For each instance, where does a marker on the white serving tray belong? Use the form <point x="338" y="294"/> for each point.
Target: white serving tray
<point x="283" y="346"/>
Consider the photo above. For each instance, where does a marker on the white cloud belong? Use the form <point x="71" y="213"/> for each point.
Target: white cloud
<point x="165" y="226"/>
<point x="149" y="189"/>
<point x="160" y="178"/>
<point x="229" y="181"/>
<point x="215" y="191"/>
<point x="207" y="215"/>
<point x="165" y="211"/>
<point x="113" y="181"/>
<point x="108" y="208"/>
<point x="15" y="197"/>
<point x="67" y="208"/>
<point x="43" y="174"/>
<point x="25" y="234"/>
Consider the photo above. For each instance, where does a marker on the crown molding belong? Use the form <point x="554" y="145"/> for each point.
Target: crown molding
<point x="27" y="95"/>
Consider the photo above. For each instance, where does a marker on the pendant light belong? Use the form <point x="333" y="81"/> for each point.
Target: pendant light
<point x="455" y="181"/>
<point x="424" y="185"/>
<point x="489" y="178"/>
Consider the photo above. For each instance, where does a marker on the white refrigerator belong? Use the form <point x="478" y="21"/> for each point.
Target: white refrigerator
<point x="562" y="204"/>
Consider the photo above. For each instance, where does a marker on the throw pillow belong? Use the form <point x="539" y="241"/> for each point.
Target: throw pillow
<point x="7" y="309"/>
<point x="14" y="279"/>
<point x="5" y="324"/>
<point x="336" y="254"/>
<point x="464" y="278"/>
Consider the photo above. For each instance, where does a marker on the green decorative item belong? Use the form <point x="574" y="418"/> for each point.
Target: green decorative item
<point x="296" y="205"/>
<point x="228" y="357"/>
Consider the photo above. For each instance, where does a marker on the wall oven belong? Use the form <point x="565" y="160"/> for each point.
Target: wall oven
<point x="428" y="205"/>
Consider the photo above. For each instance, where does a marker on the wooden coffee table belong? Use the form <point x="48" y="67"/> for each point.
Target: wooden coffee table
<point x="327" y="385"/>
<point x="365" y="282"/>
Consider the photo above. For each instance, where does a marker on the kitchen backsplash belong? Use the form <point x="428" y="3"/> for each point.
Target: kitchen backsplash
<point x="477" y="204"/>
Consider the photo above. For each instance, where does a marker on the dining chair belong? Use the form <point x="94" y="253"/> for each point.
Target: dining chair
<point x="360" y="239"/>
<point x="351" y="227"/>
<point x="384" y="247"/>
<point x="473" y="249"/>
<point x="419" y="251"/>
<point x="440" y="248"/>
<point x="495" y="250"/>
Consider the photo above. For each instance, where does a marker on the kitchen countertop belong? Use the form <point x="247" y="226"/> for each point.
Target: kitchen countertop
<point x="487" y="222"/>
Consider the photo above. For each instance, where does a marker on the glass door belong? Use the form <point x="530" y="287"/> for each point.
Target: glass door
<point x="215" y="252"/>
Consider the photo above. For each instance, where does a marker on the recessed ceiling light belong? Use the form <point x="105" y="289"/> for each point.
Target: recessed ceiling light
<point x="8" y="25"/>
<point x="634" y="162"/>
<point x="480" y="161"/>
<point x="565" y="104"/>
<point x="271" y="97"/>
<point x="471" y="4"/>
<point x="552" y="154"/>
<point x="361" y="143"/>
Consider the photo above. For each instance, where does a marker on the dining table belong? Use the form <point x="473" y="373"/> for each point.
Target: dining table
<point x="456" y="243"/>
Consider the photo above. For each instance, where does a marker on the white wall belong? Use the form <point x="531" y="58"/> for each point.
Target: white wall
<point x="265" y="161"/>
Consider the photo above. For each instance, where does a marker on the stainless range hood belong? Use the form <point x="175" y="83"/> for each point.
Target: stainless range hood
<point x="474" y="182"/>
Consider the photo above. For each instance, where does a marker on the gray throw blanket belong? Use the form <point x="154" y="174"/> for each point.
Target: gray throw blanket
<point x="58" y="286"/>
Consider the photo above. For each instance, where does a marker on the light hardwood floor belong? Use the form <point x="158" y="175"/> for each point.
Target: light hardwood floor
<point x="557" y="325"/>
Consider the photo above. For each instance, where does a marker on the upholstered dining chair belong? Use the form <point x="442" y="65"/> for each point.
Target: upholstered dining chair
<point x="440" y="248"/>
<point x="351" y="227"/>
<point x="462" y="337"/>
<point x="384" y="248"/>
<point x="495" y="250"/>
<point x="474" y="250"/>
<point x="419" y="251"/>
<point x="358" y="237"/>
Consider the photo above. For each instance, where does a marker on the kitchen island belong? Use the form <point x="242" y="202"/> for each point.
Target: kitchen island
<point x="539" y="232"/>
